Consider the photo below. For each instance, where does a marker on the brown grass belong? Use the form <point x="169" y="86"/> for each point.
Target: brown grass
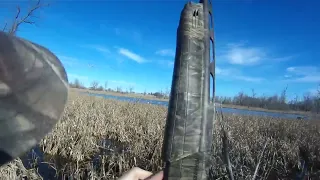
<point x="76" y="147"/>
<point x="16" y="170"/>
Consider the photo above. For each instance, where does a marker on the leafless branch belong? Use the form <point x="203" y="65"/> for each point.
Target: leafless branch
<point x="5" y="27"/>
<point x="258" y="165"/>
<point x="18" y="12"/>
<point x="25" y="19"/>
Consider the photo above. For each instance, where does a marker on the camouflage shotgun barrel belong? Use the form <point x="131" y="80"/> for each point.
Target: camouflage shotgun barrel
<point x="189" y="125"/>
<point x="33" y="94"/>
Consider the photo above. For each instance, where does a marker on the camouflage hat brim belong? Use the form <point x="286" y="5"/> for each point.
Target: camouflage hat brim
<point x="33" y="94"/>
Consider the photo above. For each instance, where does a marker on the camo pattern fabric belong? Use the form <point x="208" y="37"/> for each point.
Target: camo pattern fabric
<point x="188" y="131"/>
<point x="33" y="94"/>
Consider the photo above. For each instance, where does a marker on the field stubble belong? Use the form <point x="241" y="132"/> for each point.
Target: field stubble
<point x="101" y="139"/>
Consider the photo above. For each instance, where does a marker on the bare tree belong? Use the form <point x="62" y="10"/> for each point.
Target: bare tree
<point x="295" y="102"/>
<point x="168" y="90"/>
<point x="131" y="89"/>
<point x="253" y="98"/>
<point x="100" y="88"/>
<point x="77" y="84"/>
<point x="162" y="93"/>
<point x="94" y="85"/>
<point x="5" y="27"/>
<point x="106" y="86"/>
<point x="240" y="98"/>
<point x="307" y="102"/>
<point x="74" y="84"/>
<point x="20" y="19"/>
<point x="296" y="98"/>
<point x="253" y="93"/>
<point x="119" y="89"/>
<point x="284" y="95"/>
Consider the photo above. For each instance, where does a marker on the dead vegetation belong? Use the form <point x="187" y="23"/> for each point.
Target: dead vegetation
<point x="23" y="18"/>
<point x="16" y="170"/>
<point x="100" y="139"/>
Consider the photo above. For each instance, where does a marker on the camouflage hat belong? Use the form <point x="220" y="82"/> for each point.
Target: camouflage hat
<point x="33" y="94"/>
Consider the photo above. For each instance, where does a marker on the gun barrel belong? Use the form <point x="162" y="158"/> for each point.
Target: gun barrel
<point x="188" y="131"/>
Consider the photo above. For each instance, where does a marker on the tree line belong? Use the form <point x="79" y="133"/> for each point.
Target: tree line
<point x="96" y="86"/>
<point x="307" y="102"/>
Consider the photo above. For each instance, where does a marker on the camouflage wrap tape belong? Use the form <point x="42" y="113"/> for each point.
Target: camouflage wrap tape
<point x="188" y="131"/>
<point x="33" y="94"/>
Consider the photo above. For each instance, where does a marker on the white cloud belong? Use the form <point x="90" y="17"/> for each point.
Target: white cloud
<point x="240" y="55"/>
<point x="307" y="74"/>
<point x="308" y="79"/>
<point x="131" y="55"/>
<point x="243" y="54"/>
<point x="76" y="62"/>
<point x="69" y="61"/>
<point x="285" y="58"/>
<point x="218" y="70"/>
<point x="290" y="69"/>
<point x="223" y="72"/>
<point x="115" y="56"/>
<point x="67" y="58"/>
<point x="303" y="70"/>
<point x="102" y="49"/>
<point x="165" y="52"/>
<point x="236" y="74"/>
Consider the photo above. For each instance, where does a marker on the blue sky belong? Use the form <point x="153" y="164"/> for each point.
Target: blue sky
<point x="260" y="44"/>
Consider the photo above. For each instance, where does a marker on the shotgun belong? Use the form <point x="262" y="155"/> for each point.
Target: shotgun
<point x="188" y="131"/>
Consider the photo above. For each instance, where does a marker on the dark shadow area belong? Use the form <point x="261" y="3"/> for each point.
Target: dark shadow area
<point x="35" y="158"/>
<point x="108" y="147"/>
<point x="57" y="167"/>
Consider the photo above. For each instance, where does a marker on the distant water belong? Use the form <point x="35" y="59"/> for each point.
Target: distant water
<point x="47" y="172"/>
<point x="223" y="109"/>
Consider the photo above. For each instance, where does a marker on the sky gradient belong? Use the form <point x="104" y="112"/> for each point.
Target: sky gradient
<point x="264" y="45"/>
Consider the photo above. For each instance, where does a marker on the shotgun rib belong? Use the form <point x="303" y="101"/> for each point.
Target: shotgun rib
<point x="188" y="131"/>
